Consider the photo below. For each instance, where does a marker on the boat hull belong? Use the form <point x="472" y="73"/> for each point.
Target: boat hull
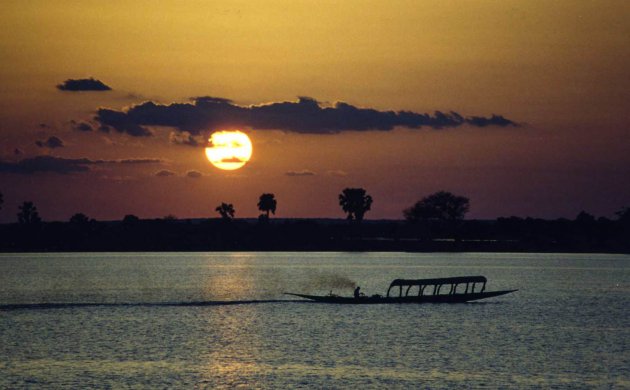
<point x="454" y="298"/>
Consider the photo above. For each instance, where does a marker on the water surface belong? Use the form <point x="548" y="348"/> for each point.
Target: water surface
<point x="221" y="320"/>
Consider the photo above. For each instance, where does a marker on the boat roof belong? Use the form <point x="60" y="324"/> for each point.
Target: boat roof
<point x="424" y="282"/>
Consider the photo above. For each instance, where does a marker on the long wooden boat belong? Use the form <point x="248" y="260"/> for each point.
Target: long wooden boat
<point x="427" y="291"/>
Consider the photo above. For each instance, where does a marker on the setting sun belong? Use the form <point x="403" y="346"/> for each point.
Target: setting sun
<point x="229" y="150"/>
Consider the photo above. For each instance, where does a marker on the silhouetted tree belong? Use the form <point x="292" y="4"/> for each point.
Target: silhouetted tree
<point x="442" y="206"/>
<point x="226" y="210"/>
<point x="79" y="219"/>
<point x="583" y="217"/>
<point x="130" y="219"/>
<point x="28" y="214"/>
<point x="267" y="203"/>
<point x="624" y="214"/>
<point x="169" y="218"/>
<point x="355" y="202"/>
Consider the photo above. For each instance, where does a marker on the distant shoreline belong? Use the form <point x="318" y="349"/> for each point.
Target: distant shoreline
<point x="302" y="235"/>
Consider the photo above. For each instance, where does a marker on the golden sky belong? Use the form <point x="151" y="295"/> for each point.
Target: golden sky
<point x="559" y="69"/>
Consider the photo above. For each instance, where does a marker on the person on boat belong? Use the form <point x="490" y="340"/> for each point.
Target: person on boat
<point x="357" y="292"/>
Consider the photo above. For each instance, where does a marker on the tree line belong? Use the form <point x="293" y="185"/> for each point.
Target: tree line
<point x="354" y="202"/>
<point x="435" y="223"/>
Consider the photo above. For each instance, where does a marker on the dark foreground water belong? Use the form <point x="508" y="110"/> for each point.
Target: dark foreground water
<point x="212" y="320"/>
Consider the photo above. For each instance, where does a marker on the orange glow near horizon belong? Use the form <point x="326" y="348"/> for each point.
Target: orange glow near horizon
<point x="558" y="68"/>
<point x="229" y="150"/>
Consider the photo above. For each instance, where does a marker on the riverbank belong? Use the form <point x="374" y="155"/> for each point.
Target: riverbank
<point x="501" y="235"/>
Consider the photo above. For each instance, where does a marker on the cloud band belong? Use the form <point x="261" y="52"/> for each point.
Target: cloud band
<point x="306" y="115"/>
<point x="63" y="165"/>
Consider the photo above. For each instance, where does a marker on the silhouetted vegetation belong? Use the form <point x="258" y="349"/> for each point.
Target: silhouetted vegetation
<point x="623" y="214"/>
<point x="512" y="234"/>
<point x="441" y="206"/>
<point x="28" y="214"/>
<point x="79" y="219"/>
<point x="584" y="218"/>
<point x="130" y="220"/>
<point x="355" y="202"/>
<point x="267" y="203"/>
<point x="432" y="231"/>
<point x="226" y="210"/>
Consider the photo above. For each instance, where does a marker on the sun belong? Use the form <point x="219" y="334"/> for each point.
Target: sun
<point x="229" y="150"/>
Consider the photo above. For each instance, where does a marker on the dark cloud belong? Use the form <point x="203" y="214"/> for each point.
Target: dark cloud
<point x="494" y="120"/>
<point x="232" y="160"/>
<point x="62" y="165"/>
<point x="134" y="96"/>
<point x="134" y="161"/>
<point x="306" y="115"/>
<point x="18" y="152"/>
<point x="185" y="138"/>
<point x="193" y="174"/>
<point x="81" y="126"/>
<point x="304" y="172"/>
<point x="164" y="173"/>
<point x="51" y="143"/>
<point x="46" y="164"/>
<point x="90" y="84"/>
<point x="122" y="122"/>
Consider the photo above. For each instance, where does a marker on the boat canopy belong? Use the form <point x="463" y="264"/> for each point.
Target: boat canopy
<point x="438" y="283"/>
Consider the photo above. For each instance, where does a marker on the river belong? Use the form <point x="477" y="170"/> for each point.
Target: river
<point x="220" y="320"/>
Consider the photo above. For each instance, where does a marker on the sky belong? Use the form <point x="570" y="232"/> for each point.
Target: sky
<point x="520" y="105"/>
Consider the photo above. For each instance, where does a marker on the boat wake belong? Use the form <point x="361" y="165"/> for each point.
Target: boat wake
<point x="69" y="305"/>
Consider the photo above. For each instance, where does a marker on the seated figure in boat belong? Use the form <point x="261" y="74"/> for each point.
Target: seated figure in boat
<point x="357" y="292"/>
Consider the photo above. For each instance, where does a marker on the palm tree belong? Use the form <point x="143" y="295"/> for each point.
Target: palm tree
<point x="355" y="202"/>
<point x="267" y="203"/>
<point x="28" y="214"/>
<point x="226" y="210"/>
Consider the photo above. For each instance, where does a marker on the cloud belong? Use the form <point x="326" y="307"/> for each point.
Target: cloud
<point x="494" y="120"/>
<point x="81" y="126"/>
<point x="51" y="143"/>
<point x="119" y="178"/>
<point x="134" y="161"/>
<point x="232" y="159"/>
<point x="120" y="121"/>
<point x="304" y="172"/>
<point x="134" y="96"/>
<point x="62" y="165"/>
<point x="164" y="173"/>
<point x="90" y="84"/>
<point x="306" y="115"/>
<point x="46" y="164"/>
<point x="18" y="152"/>
<point x="193" y="174"/>
<point x="185" y="138"/>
